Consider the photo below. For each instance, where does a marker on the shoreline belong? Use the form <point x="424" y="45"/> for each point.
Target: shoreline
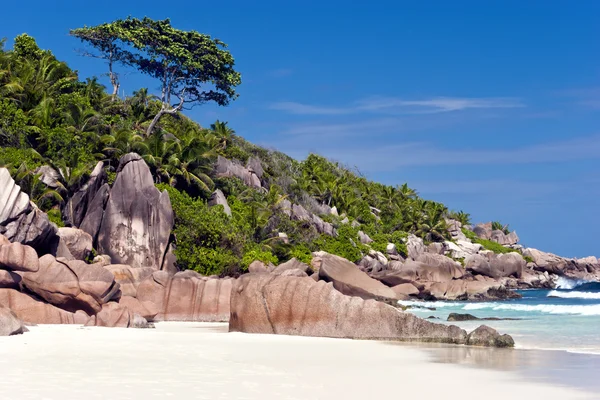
<point x="197" y="360"/>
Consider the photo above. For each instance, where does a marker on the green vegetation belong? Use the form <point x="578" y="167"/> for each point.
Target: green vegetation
<point x="50" y="117"/>
<point x="488" y="244"/>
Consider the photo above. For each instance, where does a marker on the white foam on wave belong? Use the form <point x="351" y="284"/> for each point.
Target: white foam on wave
<point x="585" y="310"/>
<point x="574" y="295"/>
<point x="565" y="283"/>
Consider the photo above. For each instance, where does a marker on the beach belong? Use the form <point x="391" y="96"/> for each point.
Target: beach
<point x="204" y="361"/>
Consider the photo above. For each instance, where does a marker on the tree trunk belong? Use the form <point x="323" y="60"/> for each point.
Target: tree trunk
<point x="154" y="122"/>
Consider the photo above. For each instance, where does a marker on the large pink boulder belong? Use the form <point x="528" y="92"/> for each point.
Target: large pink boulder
<point x="72" y="285"/>
<point x="275" y="304"/>
<point x="186" y="296"/>
<point x="18" y="257"/>
<point x="129" y="278"/>
<point x="33" y="311"/>
<point x="146" y="309"/>
<point x="114" y="315"/>
<point x="78" y="242"/>
<point x="349" y="280"/>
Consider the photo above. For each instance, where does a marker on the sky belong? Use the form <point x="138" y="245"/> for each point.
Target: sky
<point x="491" y="107"/>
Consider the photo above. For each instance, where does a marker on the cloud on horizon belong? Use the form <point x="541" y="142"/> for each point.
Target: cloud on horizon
<point x="423" y="154"/>
<point x="398" y="106"/>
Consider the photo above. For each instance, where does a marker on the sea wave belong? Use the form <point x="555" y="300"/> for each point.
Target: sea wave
<point x="574" y="295"/>
<point x="569" y="284"/>
<point x="584" y="310"/>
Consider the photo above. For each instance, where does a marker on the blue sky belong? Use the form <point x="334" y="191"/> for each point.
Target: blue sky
<point x="490" y="107"/>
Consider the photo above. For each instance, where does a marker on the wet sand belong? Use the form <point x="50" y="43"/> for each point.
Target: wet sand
<point x="202" y="361"/>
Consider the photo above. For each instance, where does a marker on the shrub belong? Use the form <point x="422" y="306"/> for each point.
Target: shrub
<point x="253" y="253"/>
<point x="346" y="244"/>
<point x="528" y="259"/>
<point x="54" y="215"/>
<point x="208" y="241"/>
<point x="301" y="253"/>
<point x="488" y="244"/>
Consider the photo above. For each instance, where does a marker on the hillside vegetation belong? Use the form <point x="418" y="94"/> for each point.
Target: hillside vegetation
<point x="51" y="117"/>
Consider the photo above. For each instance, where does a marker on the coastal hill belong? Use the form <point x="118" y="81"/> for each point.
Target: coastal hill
<point x="120" y="212"/>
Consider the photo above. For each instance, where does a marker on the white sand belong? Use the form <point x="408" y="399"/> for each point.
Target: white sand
<point x="199" y="361"/>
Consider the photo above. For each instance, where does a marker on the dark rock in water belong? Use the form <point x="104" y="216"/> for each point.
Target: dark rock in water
<point x="432" y="317"/>
<point x="486" y="336"/>
<point x="461" y="317"/>
<point x="469" y="317"/>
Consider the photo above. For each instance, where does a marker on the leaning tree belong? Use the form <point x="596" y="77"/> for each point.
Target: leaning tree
<point x="191" y="67"/>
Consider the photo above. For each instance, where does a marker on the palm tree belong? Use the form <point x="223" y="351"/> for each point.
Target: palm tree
<point x="43" y="196"/>
<point x="407" y="192"/>
<point x="434" y="227"/>
<point x="121" y="142"/>
<point x="223" y="132"/>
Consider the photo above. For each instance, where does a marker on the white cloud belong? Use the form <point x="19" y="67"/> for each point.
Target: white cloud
<point x="392" y="105"/>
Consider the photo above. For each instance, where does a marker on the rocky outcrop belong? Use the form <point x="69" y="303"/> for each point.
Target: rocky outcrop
<point x="485" y="231"/>
<point x="9" y="323"/>
<point x="145" y="309"/>
<point x="373" y="262"/>
<point x="95" y="213"/>
<point x="497" y="265"/>
<point x="187" y="296"/>
<point x="405" y="290"/>
<point x="415" y="246"/>
<point x="20" y="220"/>
<point x="137" y="222"/>
<point x="114" y="315"/>
<point x="81" y="203"/>
<point x="218" y="199"/>
<point x="71" y="285"/>
<point x="364" y="238"/>
<point x="293" y="264"/>
<point x="454" y="227"/>
<point x="299" y="213"/>
<point x="437" y="271"/>
<point x="33" y="311"/>
<point x="486" y="336"/>
<point x="260" y="267"/>
<point x="547" y="261"/>
<point x="349" y="280"/>
<point x="225" y="168"/>
<point x="462" y="248"/>
<point x="18" y="257"/>
<point x="272" y="304"/>
<point x="129" y="278"/>
<point x="254" y="165"/>
<point x="78" y="242"/>
<point x="465" y="290"/>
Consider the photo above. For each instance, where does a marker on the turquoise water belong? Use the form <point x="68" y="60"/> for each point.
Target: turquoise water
<point x="567" y="318"/>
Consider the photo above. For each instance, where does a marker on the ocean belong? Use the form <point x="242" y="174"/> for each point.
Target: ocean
<point x="566" y="318"/>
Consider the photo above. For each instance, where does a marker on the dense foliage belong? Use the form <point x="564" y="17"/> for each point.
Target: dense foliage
<point x="50" y="117"/>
